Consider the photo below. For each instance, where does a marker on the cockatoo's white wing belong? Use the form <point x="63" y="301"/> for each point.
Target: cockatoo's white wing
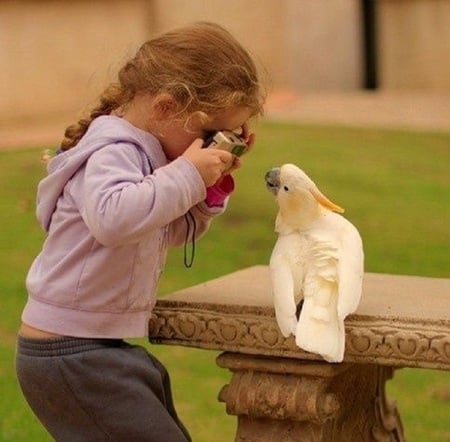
<point x="350" y="269"/>
<point x="286" y="273"/>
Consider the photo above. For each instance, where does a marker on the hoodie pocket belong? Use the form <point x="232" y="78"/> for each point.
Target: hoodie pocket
<point x="106" y="278"/>
<point x="148" y="266"/>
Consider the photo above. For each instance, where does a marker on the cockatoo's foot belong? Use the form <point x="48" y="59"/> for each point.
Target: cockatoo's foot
<point x="288" y="326"/>
<point x="299" y="309"/>
<point x="321" y="313"/>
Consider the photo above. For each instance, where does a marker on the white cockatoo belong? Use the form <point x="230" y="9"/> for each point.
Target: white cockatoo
<point x="318" y="259"/>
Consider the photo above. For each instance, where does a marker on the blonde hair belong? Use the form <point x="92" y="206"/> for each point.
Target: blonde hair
<point x="202" y="66"/>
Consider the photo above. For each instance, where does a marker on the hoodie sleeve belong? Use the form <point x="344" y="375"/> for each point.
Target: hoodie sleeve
<point x="121" y="204"/>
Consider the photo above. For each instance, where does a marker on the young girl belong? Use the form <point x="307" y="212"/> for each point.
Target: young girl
<point x="129" y="181"/>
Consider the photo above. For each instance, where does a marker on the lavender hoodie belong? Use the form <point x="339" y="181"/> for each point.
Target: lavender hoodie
<point x="109" y="221"/>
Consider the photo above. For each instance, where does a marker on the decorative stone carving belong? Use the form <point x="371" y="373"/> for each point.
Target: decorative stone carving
<point x="267" y="388"/>
<point x="401" y="343"/>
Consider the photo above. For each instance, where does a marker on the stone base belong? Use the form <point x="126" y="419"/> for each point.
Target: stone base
<point x="280" y="400"/>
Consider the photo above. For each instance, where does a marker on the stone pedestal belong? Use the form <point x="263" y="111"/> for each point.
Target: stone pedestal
<point x="280" y="400"/>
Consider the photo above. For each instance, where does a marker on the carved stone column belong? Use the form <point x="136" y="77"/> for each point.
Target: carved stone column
<point x="280" y="400"/>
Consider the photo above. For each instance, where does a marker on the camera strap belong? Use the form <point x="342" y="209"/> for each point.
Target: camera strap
<point x="189" y="218"/>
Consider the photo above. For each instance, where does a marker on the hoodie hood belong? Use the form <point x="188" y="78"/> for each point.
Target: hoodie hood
<point x="103" y="131"/>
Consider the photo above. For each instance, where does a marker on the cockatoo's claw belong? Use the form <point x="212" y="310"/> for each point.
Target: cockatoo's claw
<point x="299" y="309"/>
<point x="289" y="327"/>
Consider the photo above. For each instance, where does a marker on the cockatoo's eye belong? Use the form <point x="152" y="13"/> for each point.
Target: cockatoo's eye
<point x="286" y="188"/>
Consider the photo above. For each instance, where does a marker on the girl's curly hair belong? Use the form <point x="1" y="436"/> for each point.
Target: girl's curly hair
<point x="201" y="65"/>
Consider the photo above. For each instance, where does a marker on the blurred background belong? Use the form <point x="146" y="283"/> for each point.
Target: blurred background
<point x="384" y="62"/>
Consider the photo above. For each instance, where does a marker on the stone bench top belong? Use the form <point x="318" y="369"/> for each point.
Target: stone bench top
<point x="401" y="320"/>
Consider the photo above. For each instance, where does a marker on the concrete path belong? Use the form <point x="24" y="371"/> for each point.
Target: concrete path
<point x="400" y="110"/>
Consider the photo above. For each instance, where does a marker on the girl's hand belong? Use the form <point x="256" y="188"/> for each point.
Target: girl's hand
<point x="211" y="164"/>
<point x="249" y="137"/>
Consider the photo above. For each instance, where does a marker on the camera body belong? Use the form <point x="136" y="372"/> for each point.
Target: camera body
<point x="227" y="140"/>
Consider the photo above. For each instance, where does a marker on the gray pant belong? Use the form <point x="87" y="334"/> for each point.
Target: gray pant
<point x="98" y="390"/>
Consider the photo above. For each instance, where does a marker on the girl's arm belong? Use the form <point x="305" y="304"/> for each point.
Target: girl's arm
<point x="121" y="205"/>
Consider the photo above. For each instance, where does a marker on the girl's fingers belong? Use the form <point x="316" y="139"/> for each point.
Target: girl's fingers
<point x="248" y="136"/>
<point x="244" y="131"/>
<point x="251" y="140"/>
<point x="236" y="165"/>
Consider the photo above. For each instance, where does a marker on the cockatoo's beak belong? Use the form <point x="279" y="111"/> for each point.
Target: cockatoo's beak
<point x="324" y="201"/>
<point x="273" y="180"/>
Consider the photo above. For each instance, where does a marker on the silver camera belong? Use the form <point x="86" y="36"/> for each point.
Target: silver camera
<point x="227" y="140"/>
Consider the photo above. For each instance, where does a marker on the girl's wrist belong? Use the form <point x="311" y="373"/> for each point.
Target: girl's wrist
<point x="218" y="193"/>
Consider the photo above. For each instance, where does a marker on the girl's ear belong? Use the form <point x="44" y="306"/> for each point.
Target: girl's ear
<point x="164" y="106"/>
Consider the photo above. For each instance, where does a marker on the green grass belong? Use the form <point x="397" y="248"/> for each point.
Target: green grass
<point x="395" y="187"/>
